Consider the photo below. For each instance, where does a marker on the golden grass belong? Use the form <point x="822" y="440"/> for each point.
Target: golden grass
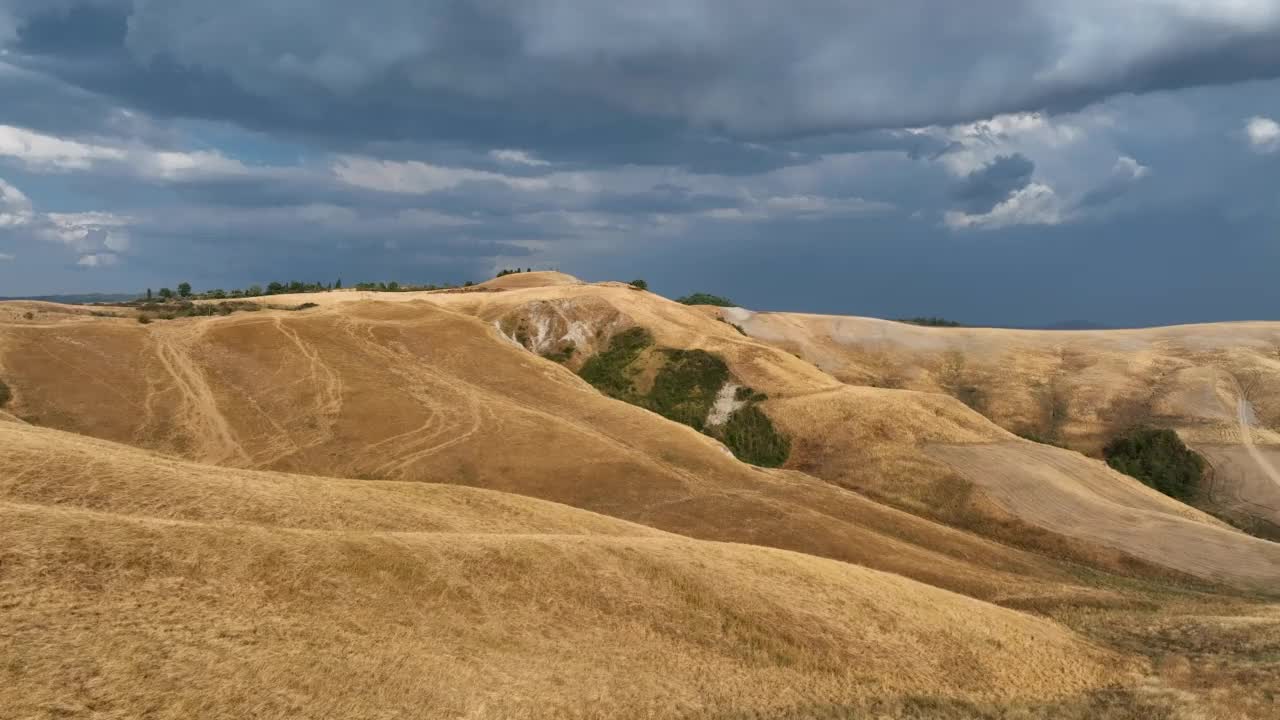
<point x="414" y="391"/>
<point x="136" y="585"/>
<point x="239" y="574"/>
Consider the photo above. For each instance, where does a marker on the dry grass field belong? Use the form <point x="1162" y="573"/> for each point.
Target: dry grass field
<point x="393" y="505"/>
<point x="1217" y="385"/>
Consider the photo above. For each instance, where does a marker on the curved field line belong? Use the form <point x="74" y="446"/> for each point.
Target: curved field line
<point x="199" y="405"/>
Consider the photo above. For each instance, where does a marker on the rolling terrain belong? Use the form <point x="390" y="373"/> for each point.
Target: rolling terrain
<point x="1217" y="385"/>
<point x="421" y="489"/>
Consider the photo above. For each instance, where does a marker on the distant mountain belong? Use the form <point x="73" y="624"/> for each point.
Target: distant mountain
<point x="84" y="299"/>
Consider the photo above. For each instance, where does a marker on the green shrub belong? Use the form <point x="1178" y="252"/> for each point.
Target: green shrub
<point x="608" y="371"/>
<point x="5" y="394"/>
<point x="1159" y="459"/>
<point x="144" y="319"/>
<point x="685" y="388"/>
<point x="639" y="284"/>
<point x="753" y="439"/>
<point x="706" y="299"/>
<point x="563" y="355"/>
<point x="929" y="322"/>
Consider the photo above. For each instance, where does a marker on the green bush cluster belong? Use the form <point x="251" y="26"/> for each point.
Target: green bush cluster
<point x="561" y="355"/>
<point x="1159" y="459"/>
<point x="180" y="310"/>
<point x="281" y="288"/>
<point x="929" y="322"/>
<point x="706" y="299"/>
<point x="608" y="370"/>
<point x="753" y="438"/>
<point x="684" y="390"/>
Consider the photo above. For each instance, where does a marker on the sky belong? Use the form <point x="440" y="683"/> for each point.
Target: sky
<point x="1012" y="162"/>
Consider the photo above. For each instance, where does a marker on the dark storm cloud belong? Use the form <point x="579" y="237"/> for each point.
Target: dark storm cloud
<point x="804" y="155"/>
<point x="987" y="186"/>
<point x="595" y="80"/>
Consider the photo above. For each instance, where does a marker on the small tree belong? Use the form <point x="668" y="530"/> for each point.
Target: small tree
<point x="639" y="284"/>
<point x="274" y="288"/>
<point x="184" y="289"/>
<point x="393" y="286"/>
<point x="253" y="291"/>
<point x="148" y="294"/>
<point x="166" y="293"/>
<point x="338" y="285"/>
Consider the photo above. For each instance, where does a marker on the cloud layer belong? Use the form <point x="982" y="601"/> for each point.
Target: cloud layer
<point x="228" y="142"/>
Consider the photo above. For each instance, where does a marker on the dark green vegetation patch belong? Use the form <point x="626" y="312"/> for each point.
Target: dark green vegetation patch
<point x="706" y="299"/>
<point x="562" y="354"/>
<point x="608" y="370"/>
<point x="684" y="390"/>
<point x="753" y="439"/>
<point x="686" y="386"/>
<point x="930" y="322"/>
<point x="1159" y="459"/>
<point x="172" y="311"/>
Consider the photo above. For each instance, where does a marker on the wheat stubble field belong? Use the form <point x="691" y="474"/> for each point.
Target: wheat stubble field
<point x="392" y="505"/>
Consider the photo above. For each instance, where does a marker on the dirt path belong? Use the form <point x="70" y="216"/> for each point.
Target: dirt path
<point x="1245" y="416"/>
<point x="200" y="413"/>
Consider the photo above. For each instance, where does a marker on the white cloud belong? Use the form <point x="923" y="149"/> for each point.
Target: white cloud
<point x="416" y="177"/>
<point x="15" y="208"/>
<point x="94" y="260"/>
<point x="46" y="152"/>
<point x="87" y="231"/>
<point x="49" y="153"/>
<point x="102" y="219"/>
<point x="796" y="207"/>
<point x="96" y="237"/>
<point x="517" y="157"/>
<point x="974" y="145"/>
<point x="117" y="241"/>
<point x="1035" y="204"/>
<point x="1263" y="134"/>
<point x="1129" y="169"/>
<point x="5" y="257"/>
<point x="171" y="165"/>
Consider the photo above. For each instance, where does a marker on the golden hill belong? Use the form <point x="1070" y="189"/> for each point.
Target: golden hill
<point x="1218" y="384"/>
<point x="134" y="584"/>
<point x="234" y="434"/>
<point x="416" y="391"/>
<point x="874" y="440"/>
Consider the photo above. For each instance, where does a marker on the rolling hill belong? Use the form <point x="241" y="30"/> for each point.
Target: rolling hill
<point x="1217" y="385"/>
<point x="422" y="489"/>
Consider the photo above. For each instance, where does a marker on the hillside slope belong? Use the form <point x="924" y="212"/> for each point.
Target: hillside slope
<point x="434" y="387"/>
<point x="137" y="585"/>
<point x="415" y="391"/>
<point x="1077" y="388"/>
